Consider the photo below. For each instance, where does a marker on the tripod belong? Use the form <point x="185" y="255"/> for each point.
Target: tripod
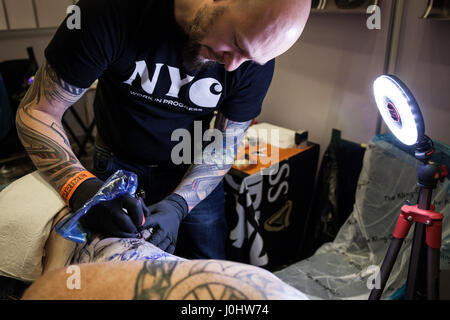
<point x="423" y="274"/>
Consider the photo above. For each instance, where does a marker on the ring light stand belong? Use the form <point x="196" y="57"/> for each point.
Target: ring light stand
<point x="402" y="115"/>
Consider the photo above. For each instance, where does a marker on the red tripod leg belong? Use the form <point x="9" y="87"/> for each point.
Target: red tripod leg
<point x="433" y="241"/>
<point x="416" y="280"/>
<point x="400" y="233"/>
<point x="423" y="274"/>
<point x="433" y="270"/>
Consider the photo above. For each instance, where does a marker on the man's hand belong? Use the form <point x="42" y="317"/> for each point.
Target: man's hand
<point x="108" y="218"/>
<point x="165" y="217"/>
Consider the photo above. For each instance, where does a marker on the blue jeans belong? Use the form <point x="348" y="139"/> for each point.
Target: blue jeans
<point x="202" y="234"/>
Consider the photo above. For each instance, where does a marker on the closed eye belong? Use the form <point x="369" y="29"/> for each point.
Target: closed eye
<point x="238" y="47"/>
<point x="216" y="56"/>
<point x="244" y="52"/>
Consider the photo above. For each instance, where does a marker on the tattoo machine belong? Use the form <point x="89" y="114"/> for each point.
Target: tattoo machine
<point x="117" y="185"/>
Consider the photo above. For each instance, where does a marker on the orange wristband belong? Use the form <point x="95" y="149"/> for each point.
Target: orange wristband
<point x="73" y="183"/>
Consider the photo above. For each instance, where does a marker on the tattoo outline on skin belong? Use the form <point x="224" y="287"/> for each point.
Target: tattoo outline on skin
<point x="201" y="179"/>
<point x="208" y="280"/>
<point x="51" y="152"/>
<point x="159" y="274"/>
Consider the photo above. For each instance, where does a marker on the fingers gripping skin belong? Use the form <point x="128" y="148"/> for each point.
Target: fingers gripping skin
<point x="165" y="216"/>
<point x="38" y="122"/>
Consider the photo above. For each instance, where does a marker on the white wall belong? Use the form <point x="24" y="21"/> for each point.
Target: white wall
<point x="13" y="44"/>
<point x="424" y="65"/>
<point x="325" y="81"/>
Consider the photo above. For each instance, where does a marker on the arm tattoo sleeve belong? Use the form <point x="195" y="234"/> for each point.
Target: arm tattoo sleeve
<point x="38" y="122"/>
<point x="48" y="85"/>
<point x="208" y="280"/>
<point x="201" y="179"/>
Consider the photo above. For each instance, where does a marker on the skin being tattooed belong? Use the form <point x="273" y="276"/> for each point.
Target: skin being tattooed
<point x="38" y="122"/>
<point x="201" y="179"/>
<point x="164" y="280"/>
<point x="209" y="280"/>
<point x="156" y="275"/>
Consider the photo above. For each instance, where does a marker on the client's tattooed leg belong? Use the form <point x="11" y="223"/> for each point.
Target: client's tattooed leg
<point x="162" y="280"/>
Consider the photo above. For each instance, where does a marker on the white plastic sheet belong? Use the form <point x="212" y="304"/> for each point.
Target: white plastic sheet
<point x="345" y="268"/>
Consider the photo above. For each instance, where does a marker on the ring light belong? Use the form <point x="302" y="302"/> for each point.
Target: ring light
<point x="399" y="109"/>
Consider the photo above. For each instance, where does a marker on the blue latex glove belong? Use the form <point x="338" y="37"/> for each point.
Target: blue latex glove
<point x="165" y="217"/>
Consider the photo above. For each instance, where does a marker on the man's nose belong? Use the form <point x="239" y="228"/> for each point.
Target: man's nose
<point x="233" y="61"/>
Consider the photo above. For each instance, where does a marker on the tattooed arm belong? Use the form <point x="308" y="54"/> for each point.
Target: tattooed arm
<point x="201" y="179"/>
<point x="38" y="122"/>
<point x="164" y="280"/>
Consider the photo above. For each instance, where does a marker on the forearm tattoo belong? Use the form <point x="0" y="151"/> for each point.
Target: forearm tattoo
<point x="201" y="179"/>
<point x="38" y="122"/>
<point x="209" y="280"/>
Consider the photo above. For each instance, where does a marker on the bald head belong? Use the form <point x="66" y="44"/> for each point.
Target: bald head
<point x="286" y="13"/>
<point x="231" y="32"/>
<point x="273" y="26"/>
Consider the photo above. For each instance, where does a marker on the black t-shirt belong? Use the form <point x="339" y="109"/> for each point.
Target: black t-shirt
<point x="134" y="48"/>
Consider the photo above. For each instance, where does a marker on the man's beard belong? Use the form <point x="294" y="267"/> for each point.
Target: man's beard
<point x="203" y="21"/>
<point x="192" y="61"/>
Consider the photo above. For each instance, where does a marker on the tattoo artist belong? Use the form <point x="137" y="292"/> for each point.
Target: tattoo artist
<point x="160" y="65"/>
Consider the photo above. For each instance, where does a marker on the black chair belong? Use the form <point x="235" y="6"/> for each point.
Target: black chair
<point x="334" y="193"/>
<point x="16" y="75"/>
<point x="86" y="128"/>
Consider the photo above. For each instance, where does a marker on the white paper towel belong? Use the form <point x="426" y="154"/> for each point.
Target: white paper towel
<point x="268" y="133"/>
<point x="27" y="208"/>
